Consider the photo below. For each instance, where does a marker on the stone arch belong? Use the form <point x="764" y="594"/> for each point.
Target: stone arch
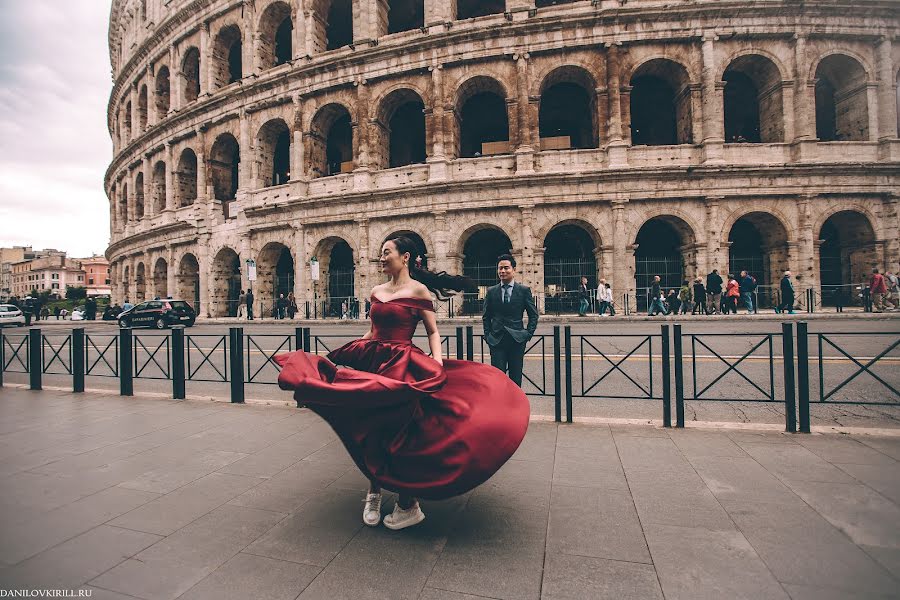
<point x="479" y="247"/>
<point x="187" y="280"/>
<point x="337" y="269"/>
<point x="568" y="106"/>
<point x="275" y="31"/>
<point x="186" y="179"/>
<point x="273" y="143"/>
<point x="399" y="132"/>
<point x="142" y="109"/>
<point x="665" y="245"/>
<point x="660" y="103"/>
<point x="758" y="244"/>
<point x="470" y="9"/>
<point x="570" y="252"/>
<point x="847" y="249"/>
<point x="162" y="92"/>
<point x="333" y="25"/>
<point x="158" y="189"/>
<point x="227" y="58"/>
<point x="753" y="101"/>
<point x="161" y="278"/>
<point x="224" y="167"/>
<point x="140" y="282"/>
<point x="190" y="71"/>
<point x="226" y="283"/>
<point x="275" y="272"/>
<point x="841" y="94"/>
<point x="404" y="15"/>
<point x="139" y="196"/>
<point x="330" y="141"/>
<point x="482" y="117"/>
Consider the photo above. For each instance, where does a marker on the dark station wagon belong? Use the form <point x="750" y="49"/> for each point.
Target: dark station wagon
<point x="159" y="314"/>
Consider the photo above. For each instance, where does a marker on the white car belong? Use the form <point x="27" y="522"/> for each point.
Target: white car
<point x="11" y="315"/>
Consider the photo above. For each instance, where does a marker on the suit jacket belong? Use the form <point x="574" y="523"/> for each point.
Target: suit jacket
<point x="500" y="317"/>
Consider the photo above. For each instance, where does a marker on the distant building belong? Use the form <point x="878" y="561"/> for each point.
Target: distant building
<point x="8" y="256"/>
<point x="96" y="275"/>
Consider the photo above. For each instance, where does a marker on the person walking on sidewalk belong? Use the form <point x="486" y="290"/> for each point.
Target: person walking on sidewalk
<point x="242" y="305"/>
<point x="700" y="307"/>
<point x="747" y="286"/>
<point x="291" y="305"/>
<point x="713" y="292"/>
<point x="605" y="298"/>
<point x="893" y="285"/>
<point x="787" y="295"/>
<point x="584" y="296"/>
<point x="686" y="297"/>
<point x="250" y="305"/>
<point x="877" y="288"/>
<point x="732" y="293"/>
<point x="655" y="299"/>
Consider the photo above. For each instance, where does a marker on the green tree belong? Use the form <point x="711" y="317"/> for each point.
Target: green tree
<point x="76" y="293"/>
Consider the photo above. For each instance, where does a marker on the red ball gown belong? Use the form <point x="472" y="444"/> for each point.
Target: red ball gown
<point x="410" y="424"/>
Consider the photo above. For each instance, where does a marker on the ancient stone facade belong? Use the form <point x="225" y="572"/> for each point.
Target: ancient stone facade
<point x="607" y="138"/>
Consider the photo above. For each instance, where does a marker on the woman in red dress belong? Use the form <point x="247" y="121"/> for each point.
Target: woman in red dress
<point x="415" y="424"/>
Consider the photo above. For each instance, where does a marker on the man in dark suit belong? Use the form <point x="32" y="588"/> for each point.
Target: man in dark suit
<point x="504" y="330"/>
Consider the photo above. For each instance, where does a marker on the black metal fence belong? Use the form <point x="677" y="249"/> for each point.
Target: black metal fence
<point x="669" y="367"/>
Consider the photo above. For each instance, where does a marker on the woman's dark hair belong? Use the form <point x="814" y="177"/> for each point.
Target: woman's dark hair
<point x="439" y="283"/>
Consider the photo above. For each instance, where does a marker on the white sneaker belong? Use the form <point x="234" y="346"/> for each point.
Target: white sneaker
<point x="400" y="518"/>
<point x="372" y="510"/>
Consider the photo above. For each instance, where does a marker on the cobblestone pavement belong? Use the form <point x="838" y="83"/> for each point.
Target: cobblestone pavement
<point x="152" y="498"/>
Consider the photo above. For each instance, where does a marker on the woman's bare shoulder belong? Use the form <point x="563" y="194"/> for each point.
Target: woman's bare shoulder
<point x="419" y="290"/>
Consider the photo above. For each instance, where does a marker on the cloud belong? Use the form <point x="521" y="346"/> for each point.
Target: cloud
<point x="54" y="143"/>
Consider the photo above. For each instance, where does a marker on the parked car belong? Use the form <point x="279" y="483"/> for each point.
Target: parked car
<point x="159" y="314"/>
<point x="11" y="315"/>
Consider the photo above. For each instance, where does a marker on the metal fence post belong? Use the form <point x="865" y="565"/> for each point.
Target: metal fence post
<point x="307" y="342"/>
<point x="460" y="350"/>
<point x="236" y="364"/>
<point x="568" y="334"/>
<point x="126" y="363"/>
<point x="178" y="371"/>
<point x="470" y="343"/>
<point x="35" y="358"/>
<point x="298" y="338"/>
<point x="679" y="377"/>
<point x="2" y="356"/>
<point x="78" y="350"/>
<point x="557" y="374"/>
<point x="803" y="375"/>
<point x="790" y="399"/>
<point x="666" y="376"/>
<point x="809" y="300"/>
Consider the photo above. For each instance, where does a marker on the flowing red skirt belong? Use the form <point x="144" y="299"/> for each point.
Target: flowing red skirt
<point x="410" y="425"/>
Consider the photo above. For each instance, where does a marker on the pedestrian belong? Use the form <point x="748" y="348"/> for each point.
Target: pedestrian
<point x="878" y="289"/>
<point x="747" y="286"/>
<point x="504" y="328"/>
<point x="700" y="305"/>
<point x="584" y="296"/>
<point x="280" y="307"/>
<point x="673" y="302"/>
<point x="291" y="305"/>
<point x="732" y="293"/>
<point x="604" y="298"/>
<point x="45" y="313"/>
<point x="893" y="285"/>
<point x="685" y="295"/>
<point x="418" y="425"/>
<point x="56" y="312"/>
<point x="345" y="314"/>
<point x="787" y="294"/>
<point x="655" y="299"/>
<point x="249" y="304"/>
<point x="242" y="305"/>
<point x="126" y="306"/>
<point x="610" y="304"/>
<point x="713" y="292"/>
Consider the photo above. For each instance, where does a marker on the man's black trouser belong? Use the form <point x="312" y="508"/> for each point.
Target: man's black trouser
<point x="508" y="356"/>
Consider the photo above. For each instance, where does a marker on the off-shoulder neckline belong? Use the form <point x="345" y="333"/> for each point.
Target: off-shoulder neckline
<point x="407" y="298"/>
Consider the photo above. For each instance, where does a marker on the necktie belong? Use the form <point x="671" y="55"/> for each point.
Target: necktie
<point x="506" y="294"/>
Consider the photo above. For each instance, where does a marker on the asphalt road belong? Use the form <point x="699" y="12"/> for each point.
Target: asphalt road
<point x="733" y="368"/>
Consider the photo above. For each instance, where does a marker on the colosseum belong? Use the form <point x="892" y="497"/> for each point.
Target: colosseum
<point x="615" y="139"/>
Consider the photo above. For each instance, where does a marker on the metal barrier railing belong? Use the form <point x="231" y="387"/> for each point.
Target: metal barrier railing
<point x="631" y="359"/>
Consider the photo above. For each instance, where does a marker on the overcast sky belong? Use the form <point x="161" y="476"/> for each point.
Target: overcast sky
<point x="54" y="145"/>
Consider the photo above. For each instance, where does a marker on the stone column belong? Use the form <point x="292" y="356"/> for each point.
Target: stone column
<point x="175" y="81"/>
<point x="807" y="268"/>
<point x="309" y="19"/>
<point x="364" y="281"/>
<point x="714" y="259"/>
<point x="439" y="12"/>
<point x="804" y="94"/>
<point x="298" y="34"/>
<point x="616" y="146"/>
<point x="297" y="158"/>
<point x="249" y="41"/>
<point x="891" y="226"/>
<point x="526" y="136"/>
<point x="205" y="59"/>
<point x="148" y="186"/>
<point x="170" y="179"/>
<point x="362" y="177"/>
<point x="152" y="117"/>
<point x="246" y="174"/>
<point x="602" y="115"/>
<point x="301" y="267"/>
<point x="622" y="263"/>
<point x="713" y="115"/>
<point x="436" y="116"/>
<point x="202" y="181"/>
<point x="171" y="281"/>
<point x="206" y="282"/>
<point x="527" y="268"/>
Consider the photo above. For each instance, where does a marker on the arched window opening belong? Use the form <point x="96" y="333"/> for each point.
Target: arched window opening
<point x="754" y="105"/>
<point x="284" y="41"/>
<point x="139" y="197"/>
<point x="224" y="163"/>
<point x="162" y="93"/>
<point x="275" y="35"/>
<point x="741" y="109"/>
<point x="467" y="9"/>
<point x="190" y="68"/>
<point x="161" y="278"/>
<point x="660" y="104"/>
<point x="330" y="149"/>
<point x="142" y="109"/>
<point x="339" y="28"/>
<point x="227" y="59"/>
<point x="159" y="187"/>
<point x="483" y="121"/>
<point x="187" y="281"/>
<point x="480" y="254"/>
<point x="275" y="153"/>
<point x="128" y="121"/>
<point x="758" y="245"/>
<point x="660" y="245"/>
<point x="405" y="15"/>
<point x="842" y="106"/>
<point x="341" y="275"/>
<point x="567" y="117"/>
<point x="847" y="255"/>
<point x="226" y="284"/>
<point x="568" y="256"/>
<point x="186" y="179"/>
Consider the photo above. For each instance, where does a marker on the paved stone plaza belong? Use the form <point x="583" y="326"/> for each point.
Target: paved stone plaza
<point x="150" y="498"/>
